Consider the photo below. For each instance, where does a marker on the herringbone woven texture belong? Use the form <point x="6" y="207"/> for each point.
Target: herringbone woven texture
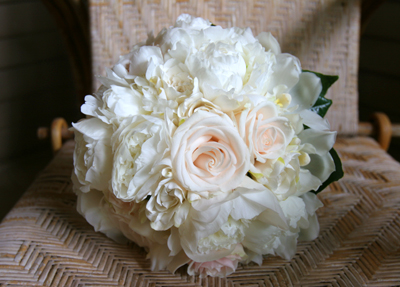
<point x="45" y="242"/>
<point x="323" y="34"/>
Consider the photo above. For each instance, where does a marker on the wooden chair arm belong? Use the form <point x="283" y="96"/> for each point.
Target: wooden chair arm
<point x="381" y="128"/>
<point x="58" y="133"/>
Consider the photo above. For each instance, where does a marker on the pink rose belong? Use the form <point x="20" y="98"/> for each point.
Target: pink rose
<point x="221" y="267"/>
<point x="208" y="154"/>
<point x="265" y="133"/>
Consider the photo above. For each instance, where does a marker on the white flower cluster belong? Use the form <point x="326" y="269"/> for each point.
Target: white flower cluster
<point x="195" y="148"/>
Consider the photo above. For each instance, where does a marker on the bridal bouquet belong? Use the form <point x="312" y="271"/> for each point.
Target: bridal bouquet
<point x="206" y="146"/>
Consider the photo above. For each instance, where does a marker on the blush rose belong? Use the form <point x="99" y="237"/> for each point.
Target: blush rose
<point x="208" y="154"/>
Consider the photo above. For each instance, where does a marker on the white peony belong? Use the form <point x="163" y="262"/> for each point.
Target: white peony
<point x="92" y="155"/>
<point x="200" y="236"/>
<point x="137" y="145"/>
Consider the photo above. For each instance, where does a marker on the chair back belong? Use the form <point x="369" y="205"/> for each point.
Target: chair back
<point x="323" y="34"/>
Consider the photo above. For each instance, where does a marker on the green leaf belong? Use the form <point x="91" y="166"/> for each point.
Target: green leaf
<point x="321" y="107"/>
<point x="322" y="104"/>
<point x="336" y="175"/>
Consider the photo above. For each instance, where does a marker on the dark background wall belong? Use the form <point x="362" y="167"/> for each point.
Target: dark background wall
<point x="379" y="74"/>
<point x="36" y="85"/>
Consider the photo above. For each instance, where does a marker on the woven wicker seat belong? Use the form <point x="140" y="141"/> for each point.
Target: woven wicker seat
<point x="45" y="242"/>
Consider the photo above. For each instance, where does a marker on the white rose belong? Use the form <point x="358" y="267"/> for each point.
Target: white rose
<point x="208" y="154"/>
<point x="167" y="206"/>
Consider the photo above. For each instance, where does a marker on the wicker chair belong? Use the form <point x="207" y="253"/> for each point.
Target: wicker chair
<point x="45" y="242"/>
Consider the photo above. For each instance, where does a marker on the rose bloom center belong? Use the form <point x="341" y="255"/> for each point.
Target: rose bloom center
<point x="267" y="139"/>
<point x="212" y="156"/>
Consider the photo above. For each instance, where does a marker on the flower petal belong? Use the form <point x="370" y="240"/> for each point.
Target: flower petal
<point x="91" y="206"/>
<point x="322" y="140"/>
<point x="141" y="58"/>
<point x="314" y="121"/>
<point x="269" y="42"/>
<point x="286" y="72"/>
<point x="305" y="93"/>
<point x="321" y="166"/>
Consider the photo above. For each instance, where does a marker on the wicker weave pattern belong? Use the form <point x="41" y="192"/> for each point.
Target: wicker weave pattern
<point x="322" y="33"/>
<point x="45" y="242"/>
